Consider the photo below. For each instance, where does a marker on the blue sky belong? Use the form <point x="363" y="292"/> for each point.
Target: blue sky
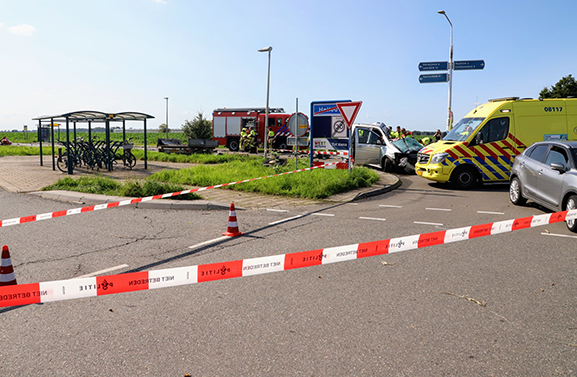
<point x="58" y="56"/>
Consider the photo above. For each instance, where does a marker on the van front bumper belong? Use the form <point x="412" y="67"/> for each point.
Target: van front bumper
<point x="437" y="172"/>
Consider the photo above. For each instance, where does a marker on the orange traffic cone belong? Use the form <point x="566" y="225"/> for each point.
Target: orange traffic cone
<point x="7" y="276"/>
<point x="232" y="229"/>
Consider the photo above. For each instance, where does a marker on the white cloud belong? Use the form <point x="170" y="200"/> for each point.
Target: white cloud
<point x="23" y="29"/>
<point x="160" y="1"/>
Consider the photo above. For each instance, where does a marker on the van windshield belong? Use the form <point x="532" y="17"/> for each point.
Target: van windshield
<point x="463" y="129"/>
<point x="408" y="144"/>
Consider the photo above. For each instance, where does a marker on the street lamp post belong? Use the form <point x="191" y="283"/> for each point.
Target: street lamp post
<point x="166" y="123"/>
<point x="268" y="49"/>
<point x="450" y="114"/>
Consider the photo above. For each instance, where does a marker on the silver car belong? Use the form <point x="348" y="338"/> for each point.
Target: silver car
<point x="546" y="173"/>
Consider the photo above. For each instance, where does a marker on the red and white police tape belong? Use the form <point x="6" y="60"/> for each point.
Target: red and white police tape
<point x="74" y="211"/>
<point x="35" y="293"/>
<point x="342" y="153"/>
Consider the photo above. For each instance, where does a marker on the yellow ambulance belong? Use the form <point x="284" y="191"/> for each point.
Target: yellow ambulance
<point x="483" y="145"/>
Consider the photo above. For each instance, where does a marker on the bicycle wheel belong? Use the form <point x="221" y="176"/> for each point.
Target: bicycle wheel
<point x="130" y="160"/>
<point x="62" y="163"/>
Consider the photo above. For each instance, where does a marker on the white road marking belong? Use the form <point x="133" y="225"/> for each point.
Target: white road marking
<point x="439" y="209"/>
<point x="283" y="220"/>
<point x="371" y="218"/>
<point x="209" y="242"/>
<point x="276" y="210"/>
<point x="102" y="271"/>
<point x="424" y="223"/>
<point x="389" y="206"/>
<point x="558" y="235"/>
<point x="323" y="214"/>
<point x="491" y="213"/>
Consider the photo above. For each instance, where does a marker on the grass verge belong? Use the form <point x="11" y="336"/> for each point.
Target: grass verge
<point x="109" y="186"/>
<point x="315" y="184"/>
<point x="200" y="158"/>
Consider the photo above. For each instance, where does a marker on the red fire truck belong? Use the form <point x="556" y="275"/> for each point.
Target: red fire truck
<point x="228" y="122"/>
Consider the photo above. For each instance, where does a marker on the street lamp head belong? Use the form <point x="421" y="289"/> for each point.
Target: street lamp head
<point x="441" y="11"/>
<point x="269" y="48"/>
<point x="165" y="97"/>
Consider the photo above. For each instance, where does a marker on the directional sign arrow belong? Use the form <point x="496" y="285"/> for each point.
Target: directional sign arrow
<point x="468" y="64"/>
<point x="433" y="66"/>
<point x="435" y="77"/>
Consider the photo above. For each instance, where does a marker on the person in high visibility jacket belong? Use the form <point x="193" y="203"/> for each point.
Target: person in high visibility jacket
<point x="252" y="138"/>
<point x="271" y="137"/>
<point x="243" y="138"/>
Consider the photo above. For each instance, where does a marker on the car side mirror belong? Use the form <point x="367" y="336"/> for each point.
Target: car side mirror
<point x="559" y="167"/>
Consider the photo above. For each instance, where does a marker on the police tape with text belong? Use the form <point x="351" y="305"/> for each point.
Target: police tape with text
<point x="35" y="293"/>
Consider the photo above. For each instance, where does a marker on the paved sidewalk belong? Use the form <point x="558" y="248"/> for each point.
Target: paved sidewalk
<point x="23" y="174"/>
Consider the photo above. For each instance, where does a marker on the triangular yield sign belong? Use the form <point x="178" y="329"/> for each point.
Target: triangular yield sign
<point x="349" y="111"/>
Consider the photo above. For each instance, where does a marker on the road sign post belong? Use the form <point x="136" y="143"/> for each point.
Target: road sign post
<point x="349" y="111"/>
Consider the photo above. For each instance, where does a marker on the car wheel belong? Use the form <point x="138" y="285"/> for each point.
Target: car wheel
<point x="515" y="192"/>
<point x="464" y="177"/>
<point x="387" y="165"/>
<point x="572" y="205"/>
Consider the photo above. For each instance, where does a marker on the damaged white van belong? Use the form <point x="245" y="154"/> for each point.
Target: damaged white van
<point x="372" y="146"/>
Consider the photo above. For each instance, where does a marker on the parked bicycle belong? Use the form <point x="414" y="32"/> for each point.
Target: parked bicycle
<point x="94" y="154"/>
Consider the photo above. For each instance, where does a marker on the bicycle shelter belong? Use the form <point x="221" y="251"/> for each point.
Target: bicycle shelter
<point x="90" y="117"/>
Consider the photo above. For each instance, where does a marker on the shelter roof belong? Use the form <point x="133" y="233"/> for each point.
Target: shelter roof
<point x="86" y="116"/>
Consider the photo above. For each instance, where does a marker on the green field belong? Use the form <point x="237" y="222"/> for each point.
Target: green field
<point x="137" y="137"/>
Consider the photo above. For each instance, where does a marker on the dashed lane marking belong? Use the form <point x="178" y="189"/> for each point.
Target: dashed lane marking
<point x="276" y="210"/>
<point x="558" y="235"/>
<point x="284" y="220"/>
<point x="425" y="223"/>
<point x="439" y="209"/>
<point x="371" y="218"/>
<point x="389" y="206"/>
<point x="215" y="240"/>
<point x="491" y="213"/>
<point x="323" y="214"/>
<point x="102" y="271"/>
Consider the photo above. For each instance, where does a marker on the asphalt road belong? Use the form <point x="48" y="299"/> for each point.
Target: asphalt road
<point x="497" y="305"/>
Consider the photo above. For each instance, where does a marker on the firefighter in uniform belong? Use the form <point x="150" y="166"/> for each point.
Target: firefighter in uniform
<point x="270" y="137"/>
<point x="243" y="137"/>
<point x="252" y="138"/>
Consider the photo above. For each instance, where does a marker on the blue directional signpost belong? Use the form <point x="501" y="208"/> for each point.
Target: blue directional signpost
<point x="433" y="66"/>
<point x="468" y="64"/>
<point x="435" y="77"/>
<point x="458" y="65"/>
